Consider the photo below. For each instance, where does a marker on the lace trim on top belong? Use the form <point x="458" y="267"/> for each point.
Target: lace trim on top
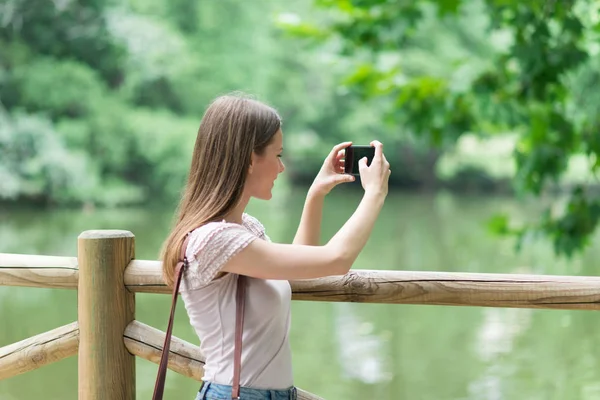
<point x="212" y="245"/>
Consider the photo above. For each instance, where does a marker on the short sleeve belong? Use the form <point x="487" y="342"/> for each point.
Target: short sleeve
<point x="255" y="226"/>
<point x="210" y="248"/>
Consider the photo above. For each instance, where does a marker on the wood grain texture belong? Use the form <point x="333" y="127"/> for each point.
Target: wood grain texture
<point x="38" y="271"/>
<point x="367" y="286"/>
<point x="38" y="351"/>
<point x="184" y="358"/>
<point x="105" y="308"/>
<point x="304" y="395"/>
<point x="147" y="342"/>
<point x="143" y="276"/>
<point x="418" y="287"/>
<point x="455" y="289"/>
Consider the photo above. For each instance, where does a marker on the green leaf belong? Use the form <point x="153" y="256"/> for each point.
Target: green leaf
<point x="446" y="7"/>
<point x="498" y="224"/>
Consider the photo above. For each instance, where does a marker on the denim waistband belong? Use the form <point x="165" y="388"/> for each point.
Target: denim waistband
<point x="217" y="391"/>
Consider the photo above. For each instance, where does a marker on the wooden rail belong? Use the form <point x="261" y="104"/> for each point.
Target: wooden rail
<point x="37" y="351"/>
<point x="38" y="271"/>
<point x="107" y="337"/>
<point x="363" y="286"/>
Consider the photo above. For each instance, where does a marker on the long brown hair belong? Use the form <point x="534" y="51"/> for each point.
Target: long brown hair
<point x="232" y="128"/>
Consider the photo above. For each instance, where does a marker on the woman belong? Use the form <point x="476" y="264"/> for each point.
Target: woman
<point x="238" y="156"/>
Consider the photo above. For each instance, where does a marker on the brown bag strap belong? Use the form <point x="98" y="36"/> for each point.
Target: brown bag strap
<point x="159" y="387"/>
<point x="240" y="300"/>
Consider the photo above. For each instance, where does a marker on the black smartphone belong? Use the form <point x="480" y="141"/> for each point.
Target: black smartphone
<point x="354" y="154"/>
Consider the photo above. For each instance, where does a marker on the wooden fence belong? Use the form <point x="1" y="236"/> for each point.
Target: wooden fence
<point x="107" y="337"/>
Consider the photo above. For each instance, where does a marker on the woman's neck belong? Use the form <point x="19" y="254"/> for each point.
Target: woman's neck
<point x="235" y="216"/>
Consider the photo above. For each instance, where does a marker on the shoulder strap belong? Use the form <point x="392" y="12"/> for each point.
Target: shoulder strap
<point x="159" y="387"/>
<point x="240" y="300"/>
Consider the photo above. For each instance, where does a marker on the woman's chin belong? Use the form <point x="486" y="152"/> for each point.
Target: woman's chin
<point x="269" y="196"/>
<point x="265" y="196"/>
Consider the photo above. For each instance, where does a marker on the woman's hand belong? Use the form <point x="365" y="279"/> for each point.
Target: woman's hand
<point x="332" y="171"/>
<point x="375" y="177"/>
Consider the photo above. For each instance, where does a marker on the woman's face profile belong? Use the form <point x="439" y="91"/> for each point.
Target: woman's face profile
<point x="265" y="168"/>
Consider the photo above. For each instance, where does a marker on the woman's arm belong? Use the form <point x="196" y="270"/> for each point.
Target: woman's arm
<point x="266" y="260"/>
<point x="309" y="230"/>
<point x="330" y="175"/>
<point x="262" y="259"/>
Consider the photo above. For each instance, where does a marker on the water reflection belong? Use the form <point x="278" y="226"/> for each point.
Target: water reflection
<point x="361" y="352"/>
<point x="496" y="337"/>
<point x="342" y="350"/>
<point x="499" y="329"/>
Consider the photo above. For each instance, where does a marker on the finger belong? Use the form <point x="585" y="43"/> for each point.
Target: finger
<point x="340" y="155"/>
<point x="344" y="178"/>
<point x="378" y="148"/>
<point x="339" y="147"/>
<point x="339" y="179"/>
<point x="386" y="163"/>
<point x="362" y="164"/>
<point x="384" y="157"/>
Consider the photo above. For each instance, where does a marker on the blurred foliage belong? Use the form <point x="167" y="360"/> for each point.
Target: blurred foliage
<point x="118" y="90"/>
<point x="35" y="162"/>
<point x="522" y="67"/>
<point x="106" y="97"/>
<point x="100" y="99"/>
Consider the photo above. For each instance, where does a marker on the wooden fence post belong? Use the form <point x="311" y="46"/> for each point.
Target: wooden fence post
<point x="105" y="308"/>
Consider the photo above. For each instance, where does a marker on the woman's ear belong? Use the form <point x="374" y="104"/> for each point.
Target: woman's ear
<point x="252" y="160"/>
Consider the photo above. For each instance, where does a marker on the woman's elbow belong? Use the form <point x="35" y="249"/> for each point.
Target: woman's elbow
<point x="341" y="262"/>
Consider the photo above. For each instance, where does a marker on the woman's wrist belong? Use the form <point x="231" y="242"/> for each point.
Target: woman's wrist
<point x="315" y="194"/>
<point x="376" y="196"/>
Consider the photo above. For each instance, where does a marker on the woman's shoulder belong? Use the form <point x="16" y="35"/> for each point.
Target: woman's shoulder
<point x="210" y="247"/>
<point x="222" y="233"/>
<point x="253" y="224"/>
<point x="215" y="233"/>
<point x="249" y="223"/>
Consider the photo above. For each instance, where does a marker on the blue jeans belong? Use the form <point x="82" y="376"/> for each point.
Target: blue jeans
<point x="214" y="391"/>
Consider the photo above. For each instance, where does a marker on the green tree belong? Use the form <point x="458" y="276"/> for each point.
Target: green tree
<point x="121" y="88"/>
<point x="36" y="165"/>
<point x="535" y="79"/>
<point x="71" y="29"/>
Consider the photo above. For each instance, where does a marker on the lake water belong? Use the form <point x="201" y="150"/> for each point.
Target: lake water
<point x="345" y="350"/>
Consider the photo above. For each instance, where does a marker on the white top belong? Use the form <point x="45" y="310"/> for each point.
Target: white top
<point x="211" y="306"/>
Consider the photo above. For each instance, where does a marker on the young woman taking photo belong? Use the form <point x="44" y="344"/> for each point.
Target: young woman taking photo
<point x="232" y="275"/>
